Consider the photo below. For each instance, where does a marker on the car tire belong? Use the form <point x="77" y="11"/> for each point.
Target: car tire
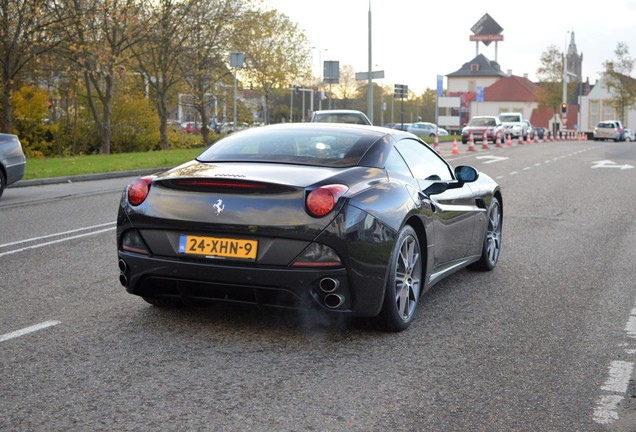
<point x="404" y="284"/>
<point x="3" y="182"/>
<point x="492" y="239"/>
<point x="164" y="302"/>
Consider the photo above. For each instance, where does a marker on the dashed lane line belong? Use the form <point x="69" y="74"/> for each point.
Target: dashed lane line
<point x="27" y="330"/>
<point x="619" y="374"/>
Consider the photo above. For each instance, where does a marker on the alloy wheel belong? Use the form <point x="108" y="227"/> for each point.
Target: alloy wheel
<point x="493" y="234"/>
<point x="408" y="278"/>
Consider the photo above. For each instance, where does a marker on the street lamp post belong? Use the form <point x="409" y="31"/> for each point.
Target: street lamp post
<point x="320" y="66"/>
<point x="237" y="60"/>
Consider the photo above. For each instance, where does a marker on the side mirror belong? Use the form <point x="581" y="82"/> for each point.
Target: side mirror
<point x="466" y="174"/>
<point x="463" y="174"/>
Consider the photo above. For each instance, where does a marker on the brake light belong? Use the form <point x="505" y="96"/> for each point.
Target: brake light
<point x="213" y="183"/>
<point x="322" y="200"/>
<point x="138" y="190"/>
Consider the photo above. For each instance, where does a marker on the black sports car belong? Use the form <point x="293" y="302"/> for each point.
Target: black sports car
<point x="350" y="219"/>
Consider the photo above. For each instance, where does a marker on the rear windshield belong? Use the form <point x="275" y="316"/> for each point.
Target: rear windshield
<point x="606" y="125"/>
<point x="304" y="146"/>
<point x="510" y="118"/>
<point x="340" y="118"/>
<point x="482" y="121"/>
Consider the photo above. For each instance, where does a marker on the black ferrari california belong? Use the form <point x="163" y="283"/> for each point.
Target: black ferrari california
<point x="347" y="219"/>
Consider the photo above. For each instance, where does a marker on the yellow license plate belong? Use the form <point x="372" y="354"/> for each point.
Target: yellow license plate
<point x="218" y="247"/>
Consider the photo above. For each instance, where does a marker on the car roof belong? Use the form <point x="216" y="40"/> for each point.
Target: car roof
<point x="343" y="111"/>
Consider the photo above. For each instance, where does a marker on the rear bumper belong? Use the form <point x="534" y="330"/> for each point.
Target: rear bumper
<point x="281" y="287"/>
<point x="15" y="171"/>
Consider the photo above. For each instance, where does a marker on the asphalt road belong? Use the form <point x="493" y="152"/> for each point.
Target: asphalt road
<point x="546" y="342"/>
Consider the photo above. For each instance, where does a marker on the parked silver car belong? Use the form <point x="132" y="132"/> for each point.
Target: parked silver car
<point x="12" y="161"/>
<point x="608" y="130"/>
<point x="340" y="116"/>
<point x="628" y="135"/>
<point x="425" y="129"/>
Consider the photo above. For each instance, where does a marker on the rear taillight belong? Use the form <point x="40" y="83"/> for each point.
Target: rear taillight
<point x="322" y="200"/>
<point x="138" y="190"/>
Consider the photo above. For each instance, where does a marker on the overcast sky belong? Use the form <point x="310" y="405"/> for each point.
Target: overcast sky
<point x="414" y="41"/>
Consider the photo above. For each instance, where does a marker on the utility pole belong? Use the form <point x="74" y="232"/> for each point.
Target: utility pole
<point x="370" y="78"/>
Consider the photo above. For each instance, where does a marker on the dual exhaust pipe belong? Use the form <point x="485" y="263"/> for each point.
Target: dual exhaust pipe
<point x="328" y="286"/>
<point x="123" y="268"/>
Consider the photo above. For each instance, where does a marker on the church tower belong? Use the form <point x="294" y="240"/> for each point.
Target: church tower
<point x="574" y="61"/>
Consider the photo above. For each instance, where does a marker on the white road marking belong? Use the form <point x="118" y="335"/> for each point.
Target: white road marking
<point x="492" y="159"/>
<point x="56" y="234"/>
<point x="39" y="245"/>
<point x="630" y="328"/>
<point x="27" y="330"/>
<point x="617" y="382"/>
<point x="610" y="164"/>
<point x="619" y="374"/>
<point x="605" y="412"/>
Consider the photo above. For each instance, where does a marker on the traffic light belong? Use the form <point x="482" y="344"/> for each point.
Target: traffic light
<point x="564" y="108"/>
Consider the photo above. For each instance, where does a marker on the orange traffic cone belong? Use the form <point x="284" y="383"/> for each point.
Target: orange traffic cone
<point x="498" y="140"/>
<point x="484" y="142"/>
<point x="528" y="140"/>
<point x="536" y="137"/>
<point x="455" y="148"/>
<point x="471" y="143"/>
<point x="436" y="144"/>
<point x="520" y="139"/>
<point x="509" y="141"/>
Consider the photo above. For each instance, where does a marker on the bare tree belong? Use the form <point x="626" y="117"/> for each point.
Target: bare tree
<point x="618" y="80"/>
<point x="24" y="35"/>
<point x="99" y="34"/>
<point x="348" y="89"/>
<point x="160" y="53"/>
<point x="214" y="28"/>
<point x="277" y="53"/>
<point x="550" y="74"/>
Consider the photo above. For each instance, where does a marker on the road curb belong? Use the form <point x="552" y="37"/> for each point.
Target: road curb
<point x="85" y="177"/>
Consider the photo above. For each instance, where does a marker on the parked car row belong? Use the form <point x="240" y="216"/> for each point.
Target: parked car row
<point x="513" y="125"/>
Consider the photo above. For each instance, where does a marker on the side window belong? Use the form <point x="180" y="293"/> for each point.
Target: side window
<point x="396" y="167"/>
<point x="423" y="161"/>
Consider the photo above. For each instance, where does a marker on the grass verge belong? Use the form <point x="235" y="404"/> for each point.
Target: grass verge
<point x="91" y="164"/>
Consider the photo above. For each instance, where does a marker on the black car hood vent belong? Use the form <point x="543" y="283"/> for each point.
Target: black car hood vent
<point x="221" y="185"/>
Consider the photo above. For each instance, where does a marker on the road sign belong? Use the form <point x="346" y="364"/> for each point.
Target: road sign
<point x="331" y="72"/>
<point x="400" y="91"/>
<point x="480" y="94"/>
<point x="363" y="76"/>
